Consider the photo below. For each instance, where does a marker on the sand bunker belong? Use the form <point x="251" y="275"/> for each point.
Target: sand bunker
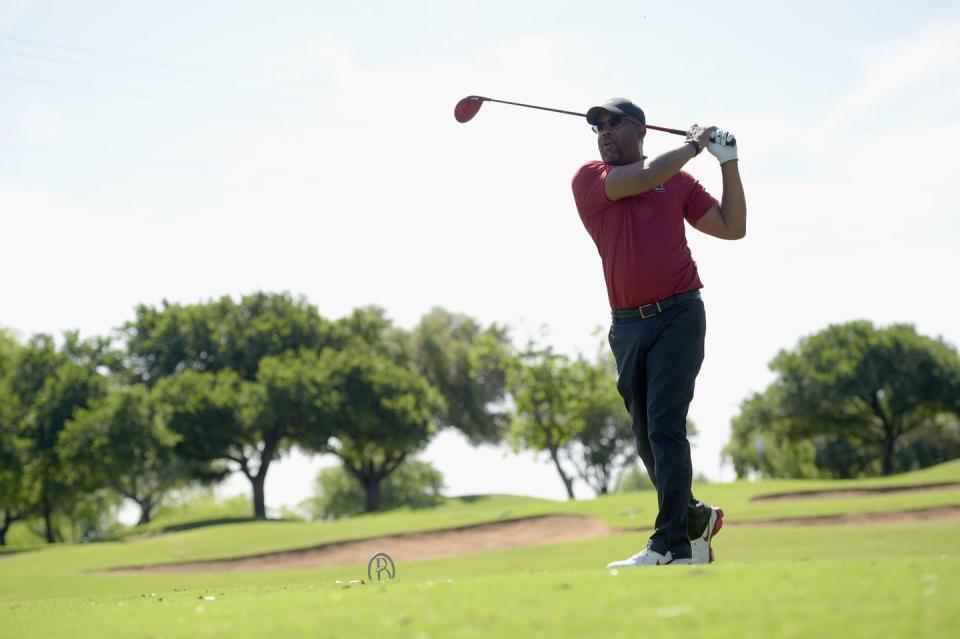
<point x="900" y="516"/>
<point x="856" y="492"/>
<point x="530" y="531"/>
<point x="408" y="547"/>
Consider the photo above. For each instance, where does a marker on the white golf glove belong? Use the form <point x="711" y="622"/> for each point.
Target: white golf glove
<point x="723" y="146"/>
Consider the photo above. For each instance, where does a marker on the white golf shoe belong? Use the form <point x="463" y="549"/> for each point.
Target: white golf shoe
<point x="647" y="557"/>
<point x="700" y="547"/>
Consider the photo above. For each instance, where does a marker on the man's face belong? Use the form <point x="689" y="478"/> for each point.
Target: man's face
<point x="619" y="139"/>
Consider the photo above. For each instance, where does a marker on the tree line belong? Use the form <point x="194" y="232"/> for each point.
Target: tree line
<point x="852" y="400"/>
<point x="188" y="394"/>
<point x="192" y="393"/>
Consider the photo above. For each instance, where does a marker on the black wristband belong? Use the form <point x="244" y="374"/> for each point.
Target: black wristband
<point x="696" y="146"/>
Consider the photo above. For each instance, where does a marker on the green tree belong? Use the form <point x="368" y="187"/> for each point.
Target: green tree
<point x="216" y="418"/>
<point x="9" y="347"/>
<point x="18" y="491"/>
<point x="51" y="384"/>
<point x="221" y="367"/>
<point x="338" y="494"/>
<point x="289" y="403"/>
<point x="544" y="388"/>
<point x="370" y="326"/>
<point x="604" y="445"/>
<point x="875" y="384"/>
<point x="91" y="515"/>
<point x="850" y="400"/>
<point x="468" y="364"/>
<point x="379" y="413"/>
<point x="221" y="335"/>
<point x="285" y="391"/>
<point x="132" y="445"/>
<point x="935" y="442"/>
<point x="16" y="494"/>
<point x="761" y="440"/>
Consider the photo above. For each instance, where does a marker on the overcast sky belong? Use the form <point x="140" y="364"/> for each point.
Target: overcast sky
<point x="185" y="150"/>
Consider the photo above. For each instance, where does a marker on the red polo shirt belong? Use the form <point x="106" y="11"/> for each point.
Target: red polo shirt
<point x="641" y="238"/>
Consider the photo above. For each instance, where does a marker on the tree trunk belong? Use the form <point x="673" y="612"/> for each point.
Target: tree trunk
<point x="371" y="486"/>
<point x="47" y="523"/>
<point x="9" y="518"/>
<point x="145" y="510"/>
<point x="605" y="476"/>
<point x="256" y="481"/>
<point x="259" y="504"/>
<point x="270" y="443"/>
<point x="889" y="441"/>
<point x="890" y="433"/>
<point x="567" y="482"/>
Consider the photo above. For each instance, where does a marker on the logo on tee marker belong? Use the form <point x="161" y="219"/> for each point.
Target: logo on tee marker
<point x="659" y="189"/>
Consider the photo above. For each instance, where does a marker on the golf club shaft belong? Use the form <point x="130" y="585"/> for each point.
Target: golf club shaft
<point x="582" y="115"/>
<point x="531" y="106"/>
<point x="665" y="129"/>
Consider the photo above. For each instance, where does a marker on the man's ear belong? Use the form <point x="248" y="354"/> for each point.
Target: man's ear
<point x="643" y="131"/>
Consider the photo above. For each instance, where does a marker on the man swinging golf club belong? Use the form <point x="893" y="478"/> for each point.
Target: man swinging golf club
<point x="634" y="210"/>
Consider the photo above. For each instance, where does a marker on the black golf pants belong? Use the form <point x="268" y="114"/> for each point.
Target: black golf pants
<point x="658" y="359"/>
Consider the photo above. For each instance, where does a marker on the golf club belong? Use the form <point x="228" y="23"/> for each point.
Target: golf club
<point x="468" y="107"/>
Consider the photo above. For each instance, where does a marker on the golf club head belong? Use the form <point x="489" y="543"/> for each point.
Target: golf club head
<point x="467" y="108"/>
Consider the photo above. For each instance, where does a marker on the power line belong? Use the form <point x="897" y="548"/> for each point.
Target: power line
<point x="195" y="168"/>
<point x="136" y="96"/>
<point x="156" y="62"/>
<point x="152" y="74"/>
<point x="181" y="166"/>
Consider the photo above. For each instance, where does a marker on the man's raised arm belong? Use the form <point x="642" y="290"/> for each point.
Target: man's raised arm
<point x="729" y="220"/>
<point x="638" y="177"/>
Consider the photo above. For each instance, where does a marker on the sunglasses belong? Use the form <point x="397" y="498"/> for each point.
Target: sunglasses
<point x="611" y="123"/>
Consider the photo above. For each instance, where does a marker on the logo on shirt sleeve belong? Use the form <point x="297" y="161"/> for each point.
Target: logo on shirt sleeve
<point x="659" y="189"/>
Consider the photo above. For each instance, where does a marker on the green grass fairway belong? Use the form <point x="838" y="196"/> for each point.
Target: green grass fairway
<point x="889" y="580"/>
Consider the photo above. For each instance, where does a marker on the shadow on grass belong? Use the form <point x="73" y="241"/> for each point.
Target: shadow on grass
<point x="7" y="551"/>
<point x="149" y="530"/>
<point x="856" y="492"/>
<point x="470" y="499"/>
<point x="191" y="525"/>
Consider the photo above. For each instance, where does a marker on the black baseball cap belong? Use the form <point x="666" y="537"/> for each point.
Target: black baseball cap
<point x="616" y="106"/>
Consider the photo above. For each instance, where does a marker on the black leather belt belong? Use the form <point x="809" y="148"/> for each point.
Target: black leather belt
<point x="654" y="309"/>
